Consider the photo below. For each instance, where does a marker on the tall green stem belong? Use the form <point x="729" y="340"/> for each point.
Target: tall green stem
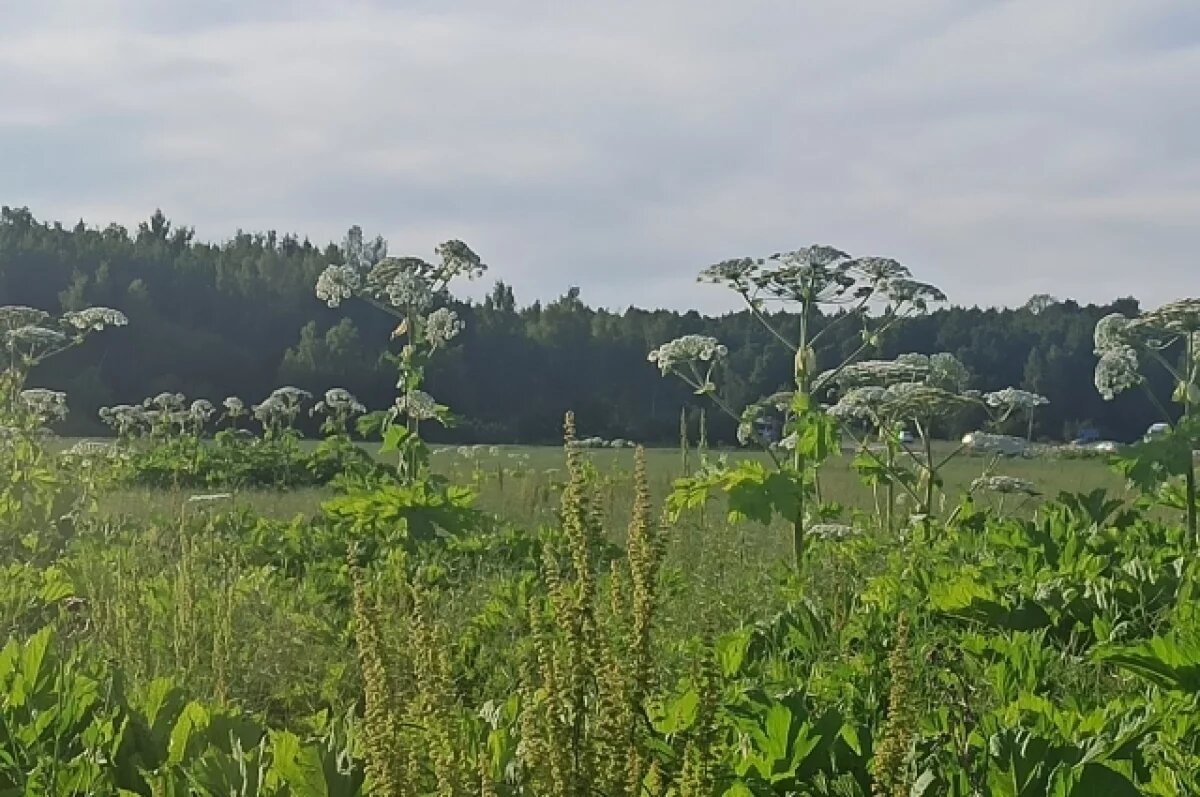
<point x="927" y="442"/>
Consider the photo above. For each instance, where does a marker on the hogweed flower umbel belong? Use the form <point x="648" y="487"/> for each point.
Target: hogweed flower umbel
<point x="1117" y="371"/>
<point x="48" y="406"/>
<point x="337" y="284"/>
<point x="95" y="319"/>
<point x="1011" y="398"/>
<point x="417" y="405"/>
<point x="441" y="327"/>
<point x="687" y="350"/>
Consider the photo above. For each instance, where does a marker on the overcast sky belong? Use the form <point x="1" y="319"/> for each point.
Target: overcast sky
<point x="999" y="149"/>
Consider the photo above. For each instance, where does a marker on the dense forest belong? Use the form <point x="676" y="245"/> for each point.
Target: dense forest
<point x="240" y="318"/>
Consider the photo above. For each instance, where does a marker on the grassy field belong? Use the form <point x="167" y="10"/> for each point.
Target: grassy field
<point x="519" y="482"/>
<point x="716" y="563"/>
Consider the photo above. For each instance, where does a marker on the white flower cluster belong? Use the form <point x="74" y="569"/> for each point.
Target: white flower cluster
<point x="48" y="406"/>
<point x="15" y="316"/>
<point x="859" y="404"/>
<point x="234" y="407"/>
<point x="88" y="451"/>
<point x="418" y="405"/>
<point x="441" y="327"/>
<point x="908" y="367"/>
<point x="409" y="291"/>
<point x="919" y="401"/>
<point x="338" y="401"/>
<point x="95" y="319"/>
<point x="166" y="402"/>
<point x="1011" y="398"/>
<point x="687" y="349"/>
<point x="282" y="406"/>
<point x="1181" y="317"/>
<point x="458" y="260"/>
<point x="337" y="284"/>
<point x="947" y="372"/>
<point x="1006" y="485"/>
<point x="1117" y="371"/>
<point x="34" y="341"/>
<point x="124" y="419"/>
<point x="201" y="410"/>
<point x="823" y="274"/>
<point x="1117" y="339"/>
<point x="1112" y="331"/>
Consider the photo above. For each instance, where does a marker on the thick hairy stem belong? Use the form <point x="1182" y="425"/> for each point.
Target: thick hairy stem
<point x="927" y="442"/>
<point x="891" y="489"/>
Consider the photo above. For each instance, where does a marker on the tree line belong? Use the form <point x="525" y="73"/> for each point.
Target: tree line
<point x="240" y="318"/>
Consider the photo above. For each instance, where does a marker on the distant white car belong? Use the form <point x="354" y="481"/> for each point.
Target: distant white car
<point x="1157" y="430"/>
<point x="906" y="437"/>
<point x="1103" y="447"/>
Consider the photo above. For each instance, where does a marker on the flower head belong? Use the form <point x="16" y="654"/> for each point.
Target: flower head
<point x="95" y="319"/>
<point x="418" y="405"/>
<point x="1011" y="398"/>
<point x="15" y="316"/>
<point x="1180" y="316"/>
<point x="442" y="326"/>
<point x="459" y="260"/>
<point x="859" y="403"/>
<point x="687" y="349"/>
<point x="201" y="410"/>
<point x="234" y="406"/>
<point x="338" y="401"/>
<point x="947" y="371"/>
<point x="1117" y="371"/>
<point x="166" y="401"/>
<point x="47" y="406"/>
<point x="34" y="341"/>
<point x="919" y="401"/>
<point x="409" y="290"/>
<point x="337" y="283"/>
<point x="736" y="274"/>
<point x="124" y="419"/>
<point x="1112" y="331"/>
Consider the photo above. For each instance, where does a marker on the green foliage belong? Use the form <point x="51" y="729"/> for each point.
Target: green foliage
<point x="232" y="318"/>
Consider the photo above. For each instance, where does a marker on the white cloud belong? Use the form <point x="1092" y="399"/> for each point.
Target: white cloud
<point x="999" y="149"/>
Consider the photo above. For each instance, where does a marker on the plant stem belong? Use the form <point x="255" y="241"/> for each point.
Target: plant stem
<point x="927" y="442"/>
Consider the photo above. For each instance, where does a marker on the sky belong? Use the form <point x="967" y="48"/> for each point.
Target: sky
<point x="999" y="149"/>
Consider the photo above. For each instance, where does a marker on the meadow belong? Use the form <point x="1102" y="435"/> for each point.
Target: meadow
<point x="206" y="603"/>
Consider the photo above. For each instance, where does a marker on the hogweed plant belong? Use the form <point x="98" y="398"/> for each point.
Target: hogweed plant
<point x="1168" y="338"/>
<point x="790" y="294"/>
<point x="166" y="438"/>
<point x="40" y="496"/>
<point x="880" y="398"/>
<point x="410" y="289"/>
